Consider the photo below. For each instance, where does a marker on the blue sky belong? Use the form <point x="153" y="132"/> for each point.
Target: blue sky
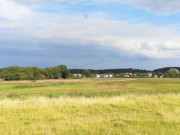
<point x="95" y="34"/>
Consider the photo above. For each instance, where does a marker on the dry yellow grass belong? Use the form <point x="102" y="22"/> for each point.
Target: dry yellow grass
<point x="90" y="107"/>
<point x="134" y="115"/>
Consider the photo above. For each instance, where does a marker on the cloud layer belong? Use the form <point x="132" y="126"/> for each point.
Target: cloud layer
<point x="156" y="6"/>
<point x="11" y="10"/>
<point x="134" y="39"/>
<point x="160" y="7"/>
<point x="19" y="22"/>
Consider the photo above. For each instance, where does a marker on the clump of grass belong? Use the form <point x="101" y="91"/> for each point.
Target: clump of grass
<point x="12" y="96"/>
<point x="53" y="95"/>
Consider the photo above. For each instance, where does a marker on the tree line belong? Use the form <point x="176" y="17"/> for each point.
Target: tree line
<point x="106" y="71"/>
<point x="34" y="73"/>
<point x="165" y="69"/>
<point x="126" y="70"/>
<point x="61" y="71"/>
<point x="171" y="73"/>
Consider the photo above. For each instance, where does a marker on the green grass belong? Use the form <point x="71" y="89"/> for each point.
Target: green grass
<point x="90" y="107"/>
<point x="90" y="88"/>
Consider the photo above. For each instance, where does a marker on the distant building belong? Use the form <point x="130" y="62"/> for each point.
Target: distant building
<point x="149" y="75"/>
<point x="156" y="76"/>
<point x="108" y="75"/>
<point x="126" y="76"/>
<point x="80" y="75"/>
<point x="98" y="76"/>
<point x="84" y="76"/>
<point x="128" y="73"/>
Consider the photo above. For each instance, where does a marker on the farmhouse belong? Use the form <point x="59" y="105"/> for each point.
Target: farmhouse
<point x="77" y="75"/>
<point x="108" y="75"/>
<point x="98" y="76"/>
<point x="127" y="74"/>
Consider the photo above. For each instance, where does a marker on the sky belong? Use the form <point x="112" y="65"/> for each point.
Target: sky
<point x="90" y="34"/>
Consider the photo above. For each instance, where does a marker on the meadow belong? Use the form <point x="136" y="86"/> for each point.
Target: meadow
<point x="90" y="107"/>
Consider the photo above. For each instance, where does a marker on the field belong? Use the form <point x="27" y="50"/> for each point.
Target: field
<point x="90" y="107"/>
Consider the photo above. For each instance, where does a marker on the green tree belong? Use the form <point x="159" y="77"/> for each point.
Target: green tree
<point x="38" y="73"/>
<point x="33" y="73"/>
<point x="166" y="75"/>
<point x="64" y="71"/>
<point x="132" y="76"/>
<point x="178" y="76"/>
<point x="141" y="75"/>
<point x="153" y="74"/>
<point x="115" y="75"/>
<point x="159" y="73"/>
<point x="173" y="72"/>
<point x="52" y="73"/>
<point x="12" y="73"/>
<point x="87" y="73"/>
<point x="27" y="73"/>
<point x="121" y="75"/>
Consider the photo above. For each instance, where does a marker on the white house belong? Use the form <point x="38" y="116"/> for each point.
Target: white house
<point x="108" y="76"/>
<point x="77" y="75"/>
<point x="98" y="76"/>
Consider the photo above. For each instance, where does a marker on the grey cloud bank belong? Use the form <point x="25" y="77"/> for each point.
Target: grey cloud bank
<point x="47" y="39"/>
<point x="165" y="7"/>
<point x="90" y="56"/>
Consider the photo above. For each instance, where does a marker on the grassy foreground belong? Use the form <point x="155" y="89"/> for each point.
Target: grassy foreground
<point x="90" y="106"/>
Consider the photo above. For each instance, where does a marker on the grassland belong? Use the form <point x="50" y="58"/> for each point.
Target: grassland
<point x="90" y="107"/>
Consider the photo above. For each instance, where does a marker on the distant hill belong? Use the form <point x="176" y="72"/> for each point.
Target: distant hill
<point x="125" y="70"/>
<point x="164" y="70"/>
<point x="106" y="71"/>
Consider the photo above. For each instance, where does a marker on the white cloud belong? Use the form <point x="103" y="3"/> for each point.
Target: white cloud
<point x="155" y="6"/>
<point x="11" y="10"/>
<point x="134" y="39"/>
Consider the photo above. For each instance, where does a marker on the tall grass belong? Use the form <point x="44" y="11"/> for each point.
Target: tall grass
<point x="129" y="114"/>
<point x="91" y="107"/>
<point x="88" y="88"/>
